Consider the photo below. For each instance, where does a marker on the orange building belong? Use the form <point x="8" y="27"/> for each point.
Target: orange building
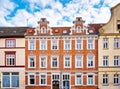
<point x="61" y="57"/>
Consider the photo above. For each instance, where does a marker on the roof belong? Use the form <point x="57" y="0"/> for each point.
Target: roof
<point x="12" y="31"/>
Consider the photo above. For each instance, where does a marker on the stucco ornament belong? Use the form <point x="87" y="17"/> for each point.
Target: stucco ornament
<point x="101" y="30"/>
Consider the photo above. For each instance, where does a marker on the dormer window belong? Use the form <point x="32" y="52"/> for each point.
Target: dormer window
<point x="79" y="29"/>
<point x="64" y="31"/>
<point x="43" y="30"/>
<point x="118" y="25"/>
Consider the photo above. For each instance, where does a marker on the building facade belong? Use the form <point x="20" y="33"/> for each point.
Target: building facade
<point x="109" y="52"/>
<point x="12" y="57"/>
<point x="61" y="57"/>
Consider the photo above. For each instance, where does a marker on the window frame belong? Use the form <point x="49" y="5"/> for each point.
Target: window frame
<point x="43" y="31"/>
<point x="116" y="43"/>
<point x="79" y="29"/>
<point x="90" y="46"/>
<point x="43" y="56"/>
<point x="116" y="76"/>
<point x="105" y="43"/>
<point x="45" y="79"/>
<point x="53" y="44"/>
<point x="45" y="45"/>
<point x="105" y="61"/>
<point x="77" y="46"/>
<point x="68" y="45"/>
<point x="76" y="79"/>
<point x="93" y="59"/>
<point x="52" y="61"/>
<point x="93" y="78"/>
<point x="33" y="45"/>
<point x="34" y="57"/>
<point x="76" y="61"/>
<point x="105" y="78"/>
<point x="116" y="60"/>
<point x="67" y="61"/>
<point x="9" y="46"/>
<point x="29" y="79"/>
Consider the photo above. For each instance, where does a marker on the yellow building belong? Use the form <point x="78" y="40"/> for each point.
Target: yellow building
<point x="12" y="57"/>
<point x="109" y="52"/>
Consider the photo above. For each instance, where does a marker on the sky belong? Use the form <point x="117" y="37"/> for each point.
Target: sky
<point x="57" y="12"/>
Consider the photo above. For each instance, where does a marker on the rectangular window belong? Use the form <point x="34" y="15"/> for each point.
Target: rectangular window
<point x="43" y="79"/>
<point x="116" y="43"/>
<point x="90" y="80"/>
<point x="32" y="62"/>
<point x="116" y="60"/>
<point x="66" y="81"/>
<point x="78" y="44"/>
<point x="10" y="43"/>
<point x="105" y="60"/>
<point x="90" y="44"/>
<point x="67" y="45"/>
<point x="43" y="45"/>
<point x="118" y="25"/>
<point x="116" y="79"/>
<point x="10" y="80"/>
<point x="79" y="62"/>
<point x="54" y="62"/>
<point x="10" y="59"/>
<point x="54" y="44"/>
<point x="43" y="62"/>
<point x="78" y="79"/>
<point x="55" y="77"/>
<point x="105" y="43"/>
<point x="105" y="79"/>
<point x="32" y="45"/>
<point x="67" y="62"/>
<point x="90" y="61"/>
<point x="31" y="79"/>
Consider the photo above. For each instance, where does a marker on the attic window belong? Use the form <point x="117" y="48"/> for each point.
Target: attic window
<point x="43" y="30"/>
<point x="56" y="30"/>
<point x="30" y="30"/>
<point x="91" y="31"/>
<point x="118" y="25"/>
<point x="79" y="29"/>
<point x="64" y="31"/>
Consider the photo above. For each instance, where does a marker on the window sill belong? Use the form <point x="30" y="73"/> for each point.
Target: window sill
<point x="116" y="84"/>
<point x="105" y="84"/>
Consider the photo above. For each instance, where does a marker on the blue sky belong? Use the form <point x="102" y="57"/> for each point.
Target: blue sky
<point x="57" y="12"/>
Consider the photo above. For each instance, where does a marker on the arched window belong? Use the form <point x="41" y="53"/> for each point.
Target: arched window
<point x="90" y="60"/>
<point x="43" y="30"/>
<point x="79" y="29"/>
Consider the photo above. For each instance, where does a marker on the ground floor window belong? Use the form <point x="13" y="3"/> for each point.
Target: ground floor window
<point x="66" y="81"/>
<point x="10" y="80"/>
<point x="31" y="79"/>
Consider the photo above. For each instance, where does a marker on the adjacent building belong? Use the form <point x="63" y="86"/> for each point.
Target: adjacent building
<point x="61" y="57"/>
<point x="109" y="52"/>
<point x="12" y="57"/>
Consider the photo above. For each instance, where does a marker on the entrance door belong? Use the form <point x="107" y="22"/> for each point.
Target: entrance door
<point x="66" y="85"/>
<point x="55" y="85"/>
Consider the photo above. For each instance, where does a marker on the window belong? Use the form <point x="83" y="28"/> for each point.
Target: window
<point x="31" y="61"/>
<point x="116" y="79"/>
<point x="105" y="60"/>
<point x="79" y="62"/>
<point x="10" y="59"/>
<point x="90" y="44"/>
<point x="67" y="62"/>
<point x="78" y="44"/>
<point x="116" y="60"/>
<point x="55" y="77"/>
<point x="78" y="79"/>
<point x="43" y="30"/>
<point x="79" y="29"/>
<point x="31" y="79"/>
<point x="116" y="43"/>
<point x="67" y="45"/>
<point x="66" y="82"/>
<point x="43" y="62"/>
<point x="43" y="45"/>
<point x="90" y="80"/>
<point x="105" y="43"/>
<point x="10" y="80"/>
<point x="32" y="45"/>
<point x="118" y="25"/>
<point x="54" y="62"/>
<point x="10" y="43"/>
<point x="43" y="79"/>
<point x="90" y="61"/>
<point x="54" y="45"/>
<point x="105" y="79"/>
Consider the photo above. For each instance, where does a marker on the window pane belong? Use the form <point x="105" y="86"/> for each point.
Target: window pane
<point x="15" y="81"/>
<point x="6" y="81"/>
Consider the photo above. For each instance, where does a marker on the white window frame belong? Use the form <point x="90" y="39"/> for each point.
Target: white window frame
<point x="66" y="79"/>
<point x="53" y="44"/>
<point x="68" y="48"/>
<point x="43" y="56"/>
<point x="76" y="79"/>
<point x="105" y="76"/>
<point x="79" y="29"/>
<point x="34" y="44"/>
<point x="67" y="61"/>
<point x="10" y="43"/>
<point x="52" y="61"/>
<point x="10" y="75"/>
<point x="31" y="56"/>
<point x="93" y="79"/>
<point x="29" y="79"/>
<point x="105" y="43"/>
<point x="76" y="61"/>
<point x="10" y="57"/>
<point x="116" y="59"/>
<point x="77" y="46"/>
<point x="105" y="60"/>
<point x="42" y="44"/>
<point x="93" y="56"/>
<point x="116" y="43"/>
<point x="116" y="77"/>
<point x="43" y="32"/>
<point x="58" y="74"/>
<point x="40" y="79"/>
<point x="90" y="46"/>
